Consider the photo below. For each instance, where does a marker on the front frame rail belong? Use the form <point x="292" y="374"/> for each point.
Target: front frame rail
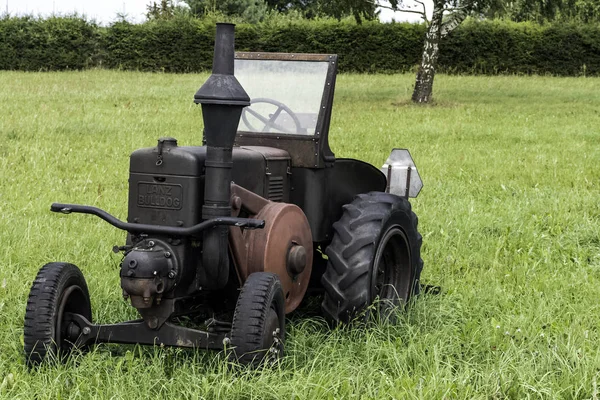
<point x="138" y="332"/>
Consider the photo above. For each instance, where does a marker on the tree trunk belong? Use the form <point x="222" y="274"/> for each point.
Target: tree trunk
<point x="431" y="50"/>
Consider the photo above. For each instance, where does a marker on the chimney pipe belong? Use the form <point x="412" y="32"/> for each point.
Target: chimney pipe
<point x="222" y="99"/>
<point x="223" y="59"/>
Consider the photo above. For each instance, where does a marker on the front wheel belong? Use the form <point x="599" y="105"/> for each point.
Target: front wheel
<point x="375" y="253"/>
<point x="58" y="289"/>
<point x="258" y="329"/>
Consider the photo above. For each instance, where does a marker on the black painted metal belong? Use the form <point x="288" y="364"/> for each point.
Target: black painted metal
<point x="222" y="87"/>
<point x="158" y="229"/>
<point x="138" y="332"/>
<point x="169" y="183"/>
<point x="222" y="98"/>
<point x="321" y="193"/>
<point x="171" y="194"/>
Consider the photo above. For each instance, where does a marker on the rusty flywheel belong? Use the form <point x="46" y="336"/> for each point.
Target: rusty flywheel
<point x="283" y="247"/>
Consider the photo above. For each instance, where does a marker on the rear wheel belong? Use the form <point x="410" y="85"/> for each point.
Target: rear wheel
<point x="58" y="289"/>
<point x="258" y="329"/>
<point x="375" y="253"/>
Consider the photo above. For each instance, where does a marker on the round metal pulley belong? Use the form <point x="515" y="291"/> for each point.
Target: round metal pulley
<point x="284" y="246"/>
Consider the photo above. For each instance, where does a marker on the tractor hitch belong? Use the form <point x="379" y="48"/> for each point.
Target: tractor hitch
<point x="247" y="223"/>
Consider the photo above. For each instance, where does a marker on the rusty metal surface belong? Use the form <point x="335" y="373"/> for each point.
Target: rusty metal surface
<point x="252" y="204"/>
<point x="269" y="153"/>
<point x="267" y="250"/>
<point x="286" y="228"/>
<point x="143" y="292"/>
<point x="303" y="150"/>
<point x="243" y="55"/>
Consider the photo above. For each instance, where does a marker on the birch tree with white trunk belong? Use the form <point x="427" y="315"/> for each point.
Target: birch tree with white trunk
<point x="447" y="15"/>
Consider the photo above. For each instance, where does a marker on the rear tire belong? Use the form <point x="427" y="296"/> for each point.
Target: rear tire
<point x="58" y="288"/>
<point x="258" y="329"/>
<point x="375" y="252"/>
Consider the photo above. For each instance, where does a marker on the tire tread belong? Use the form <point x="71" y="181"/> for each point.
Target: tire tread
<point x="346" y="279"/>
<point x="41" y="309"/>
<point x="259" y="292"/>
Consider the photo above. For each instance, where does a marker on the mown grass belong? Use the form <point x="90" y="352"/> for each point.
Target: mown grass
<point x="510" y="215"/>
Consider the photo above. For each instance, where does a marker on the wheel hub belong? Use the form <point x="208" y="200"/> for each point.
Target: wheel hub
<point x="391" y="269"/>
<point x="67" y="332"/>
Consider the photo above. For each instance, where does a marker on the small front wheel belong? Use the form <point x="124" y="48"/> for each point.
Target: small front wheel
<point x="58" y="290"/>
<point x="258" y="329"/>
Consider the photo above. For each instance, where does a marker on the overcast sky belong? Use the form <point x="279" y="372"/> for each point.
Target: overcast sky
<point x="105" y="11"/>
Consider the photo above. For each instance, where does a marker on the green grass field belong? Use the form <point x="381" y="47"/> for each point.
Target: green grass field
<point x="510" y="215"/>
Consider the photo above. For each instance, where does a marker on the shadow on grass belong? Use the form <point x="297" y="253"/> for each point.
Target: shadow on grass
<point x="435" y="103"/>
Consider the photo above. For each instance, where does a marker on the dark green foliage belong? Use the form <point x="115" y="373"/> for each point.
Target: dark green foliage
<point x="522" y="48"/>
<point x="359" y="9"/>
<point x="186" y="44"/>
<point x="174" y="45"/>
<point x="585" y="11"/>
<point x="183" y="44"/>
<point x="56" y="43"/>
<point x="251" y="11"/>
<point x="370" y="47"/>
<point x="164" y="9"/>
<point x="287" y="5"/>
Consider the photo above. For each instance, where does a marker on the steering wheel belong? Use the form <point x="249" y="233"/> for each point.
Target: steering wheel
<point x="270" y="121"/>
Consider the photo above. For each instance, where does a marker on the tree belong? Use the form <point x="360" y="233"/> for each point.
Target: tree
<point x="164" y="10"/>
<point x="249" y="10"/>
<point x="588" y="10"/>
<point x="447" y="15"/>
<point x="541" y="11"/>
<point x="360" y="9"/>
<point x="283" y="6"/>
<point x="256" y="10"/>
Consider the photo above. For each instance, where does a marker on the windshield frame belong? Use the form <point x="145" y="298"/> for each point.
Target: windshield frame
<point x="306" y="150"/>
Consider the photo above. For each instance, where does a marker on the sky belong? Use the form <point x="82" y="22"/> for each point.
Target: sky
<point x="106" y="11"/>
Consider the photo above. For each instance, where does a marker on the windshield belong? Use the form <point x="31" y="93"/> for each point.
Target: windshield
<point x="285" y="95"/>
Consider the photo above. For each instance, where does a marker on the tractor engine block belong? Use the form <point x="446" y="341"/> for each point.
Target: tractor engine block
<point x="148" y="270"/>
<point x="167" y="188"/>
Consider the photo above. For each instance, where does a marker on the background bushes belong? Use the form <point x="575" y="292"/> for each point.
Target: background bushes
<point x="176" y="45"/>
<point x="493" y="47"/>
<point x="185" y="45"/>
<point x="54" y="43"/>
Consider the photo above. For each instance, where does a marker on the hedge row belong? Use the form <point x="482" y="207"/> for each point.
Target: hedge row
<point x="506" y="47"/>
<point x="185" y="45"/>
<point x="48" y="44"/>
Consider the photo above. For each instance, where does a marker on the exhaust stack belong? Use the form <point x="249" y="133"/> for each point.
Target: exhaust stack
<point x="222" y="98"/>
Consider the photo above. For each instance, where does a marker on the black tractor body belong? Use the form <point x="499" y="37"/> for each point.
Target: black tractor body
<point x="230" y="235"/>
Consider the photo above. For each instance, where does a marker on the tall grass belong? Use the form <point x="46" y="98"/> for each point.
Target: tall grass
<point x="510" y="215"/>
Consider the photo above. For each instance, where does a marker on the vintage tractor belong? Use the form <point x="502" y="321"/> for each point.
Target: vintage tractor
<point x="223" y="240"/>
